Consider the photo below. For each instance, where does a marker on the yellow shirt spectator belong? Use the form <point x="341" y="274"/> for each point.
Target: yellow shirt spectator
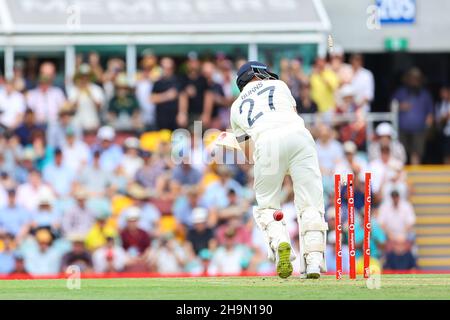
<point x="323" y="86"/>
<point x="96" y="237"/>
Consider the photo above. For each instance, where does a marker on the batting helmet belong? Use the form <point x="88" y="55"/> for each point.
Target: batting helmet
<point x="253" y="69"/>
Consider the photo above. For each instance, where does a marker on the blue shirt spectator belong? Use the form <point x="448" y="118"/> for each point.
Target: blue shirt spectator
<point x="185" y="174"/>
<point x="13" y="218"/>
<point x="415" y="107"/>
<point x="59" y="176"/>
<point x="7" y="258"/>
<point x="110" y="153"/>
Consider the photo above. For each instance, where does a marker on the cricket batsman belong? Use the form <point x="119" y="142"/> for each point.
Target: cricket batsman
<point x="271" y="133"/>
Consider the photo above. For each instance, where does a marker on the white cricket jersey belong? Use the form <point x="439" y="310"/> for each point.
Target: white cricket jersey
<point x="262" y="106"/>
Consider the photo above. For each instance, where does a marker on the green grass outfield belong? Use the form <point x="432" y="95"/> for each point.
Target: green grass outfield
<point x="429" y="286"/>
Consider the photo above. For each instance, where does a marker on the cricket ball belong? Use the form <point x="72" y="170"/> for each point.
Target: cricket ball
<point x="278" y="215"/>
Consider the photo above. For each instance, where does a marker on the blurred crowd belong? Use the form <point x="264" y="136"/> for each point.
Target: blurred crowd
<point x="88" y="177"/>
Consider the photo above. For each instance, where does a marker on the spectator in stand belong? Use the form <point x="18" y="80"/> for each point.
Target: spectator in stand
<point x="216" y="195"/>
<point x="111" y="153"/>
<point x="343" y="70"/>
<point x="385" y="168"/>
<point x="78" y="219"/>
<point x="200" y="235"/>
<point x="229" y="89"/>
<point x="149" y="215"/>
<point x="165" y="97"/>
<point x="14" y="219"/>
<point x="46" y="215"/>
<point x="168" y="256"/>
<point x="242" y="231"/>
<point x="123" y="109"/>
<point x="134" y="240"/>
<point x="194" y="85"/>
<point x="76" y="153"/>
<point x="352" y="163"/>
<point x="415" y="114"/>
<point x="29" y="125"/>
<point x="401" y="256"/>
<point x="58" y="175"/>
<point x="330" y="153"/>
<point x="226" y="78"/>
<point x="94" y="178"/>
<point x="131" y="161"/>
<point x="293" y="75"/>
<point x="12" y="106"/>
<point x="443" y="110"/>
<point x="304" y="102"/>
<point x="216" y="104"/>
<point x="151" y="72"/>
<point x="46" y="99"/>
<point x="29" y="194"/>
<point x="347" y="102"/>
<point x="355" y="130"/>
<point x="185" y="204"/>
<point x="11" y="152"/>
<point x="114" y="67"/>
<point x="43" y="153"/>
<point x="153" y="167"/>
<point x="96" y="68"/>
<point x="186" y="175"/>
<point x="109" y="258"/>
<point x="397" y="217"/>
<point x="20" y="82"/>
<point x="396" y="180"/>
<point x="77" y="256"/>
<point x="86" y="99"/>
<point x="7" y="253"/>
<point x="101" y="232"/>
<point x="25" y="165"/>
<point x="237" y="207"/>
<point x="231" y="258"/>
<point x="41" y="255"/>
<point x="385" y="136"/>
<point x="324" y="84"/>
<point x="362" y="82"/>
<point x="56" y="132"/>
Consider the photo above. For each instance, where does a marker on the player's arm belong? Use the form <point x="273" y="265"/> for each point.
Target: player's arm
<point x="245" y="143"/>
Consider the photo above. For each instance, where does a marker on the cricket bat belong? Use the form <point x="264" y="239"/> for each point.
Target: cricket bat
<point x="227" y="140"/>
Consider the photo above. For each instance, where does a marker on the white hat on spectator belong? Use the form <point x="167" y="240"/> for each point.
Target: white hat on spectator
<point x="133" y="213"/>
<point x="349" y="147"/>
<point x="84" y="69"/>
<point x="346" y="91"/>
<point x="106" y="133"/>
<point x="199" y="215"/>
<point x="384" y="129"/>
<point x="132" y="143"/>
<point x="28" y="154"/>
<point x="45" y="197"/>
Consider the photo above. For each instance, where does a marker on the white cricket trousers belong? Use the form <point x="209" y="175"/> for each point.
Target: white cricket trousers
<point x="277" y="153"/>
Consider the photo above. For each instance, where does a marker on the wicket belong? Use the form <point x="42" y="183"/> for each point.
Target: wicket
<point x="351" y="225"/>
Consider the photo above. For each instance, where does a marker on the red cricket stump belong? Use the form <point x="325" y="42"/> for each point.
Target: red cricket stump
<point x="338" y="225"/>
<point x="367" y="225"/>
<point x="351" y="226"/>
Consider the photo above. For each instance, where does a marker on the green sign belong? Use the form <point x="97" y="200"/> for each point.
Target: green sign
<point x="396" y="44"/>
